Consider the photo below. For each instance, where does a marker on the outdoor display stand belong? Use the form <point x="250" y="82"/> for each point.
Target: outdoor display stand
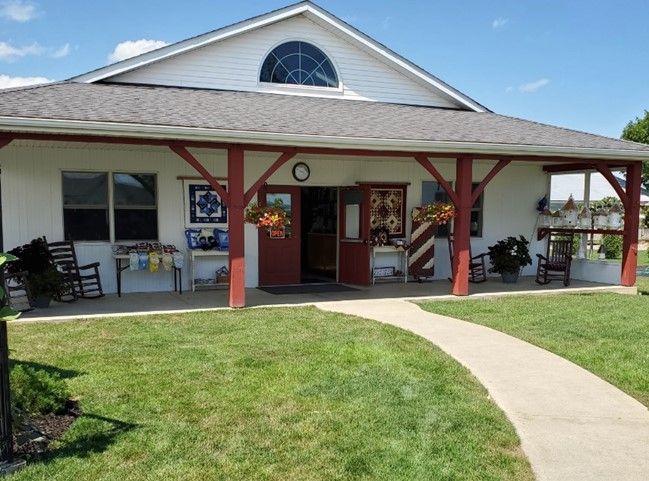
<point x="121" y="267"/>
<point x="214" y="255"/>
<point x="390" y="273"/>
<point x="421" y="259"/>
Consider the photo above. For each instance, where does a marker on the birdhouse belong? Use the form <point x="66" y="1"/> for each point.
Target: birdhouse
<point x="600" y="219"/>
<point x="615" y="217"/>
<point x="585" y="219"/>
<point x="546" y="218"/>
<point x="570" y="213"/>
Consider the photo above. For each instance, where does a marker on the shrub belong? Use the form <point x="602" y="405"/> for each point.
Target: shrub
<point x="35" y="391"/>
<point x="613" y="246"/>
<point x="509" y="255"/>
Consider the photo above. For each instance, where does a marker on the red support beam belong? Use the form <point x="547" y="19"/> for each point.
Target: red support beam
<point x="236" y="227"/>
<point x="250" y="193"/>
<point x="631" y="224"/>
<point x="462" y="226"/>
<point x="5" y="141"/>
<point x="427" y="164"/>
<point x="191" y="160"/>
<point x="492" y="173"/>
<point x="608" y="175"/>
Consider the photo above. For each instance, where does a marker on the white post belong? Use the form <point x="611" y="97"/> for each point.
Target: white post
<point x="584" y="237"/>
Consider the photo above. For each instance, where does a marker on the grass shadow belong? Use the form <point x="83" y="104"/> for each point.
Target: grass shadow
<point x="56" y="371"/>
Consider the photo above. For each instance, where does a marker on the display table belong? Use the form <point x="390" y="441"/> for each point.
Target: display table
<point x="195" y="255"/>
<point x="545" y="231"/>
<point x="401" y="252"/>
<point x="120" y="267"/>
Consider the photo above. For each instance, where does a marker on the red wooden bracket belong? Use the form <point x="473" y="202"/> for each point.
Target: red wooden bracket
<point x="191" y="160"/>
<point x="492" y="173"/>
<point x="282" y="159"/>
<point x="427" y="164"/>
<point x="608" y="175"/>
<point x="5" y="141"/>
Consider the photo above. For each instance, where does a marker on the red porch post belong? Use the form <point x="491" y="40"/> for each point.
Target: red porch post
<point x="462" y="225"/>
<point x="236" y="227"/>
<point x="631" y="224"/>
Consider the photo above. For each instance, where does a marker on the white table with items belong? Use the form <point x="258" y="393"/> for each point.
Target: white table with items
<point x="195" y="255"/>
<point x="402" y="252"/>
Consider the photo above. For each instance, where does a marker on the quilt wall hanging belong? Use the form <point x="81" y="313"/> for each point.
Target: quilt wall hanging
<point x="203" y="206"/>
<point x="387" y="210"/>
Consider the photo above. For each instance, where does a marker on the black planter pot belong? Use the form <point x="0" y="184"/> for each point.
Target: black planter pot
<point x="42" y="302"/>
<point x="510" y="277"/>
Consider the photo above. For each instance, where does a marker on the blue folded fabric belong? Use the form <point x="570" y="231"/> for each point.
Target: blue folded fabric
<point x="222" y="239"/>
<point x="192" y="236"/>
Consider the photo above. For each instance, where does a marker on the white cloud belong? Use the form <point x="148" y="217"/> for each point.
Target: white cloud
<point x="61" y="52"/>
<point x="499" y="23"/>
<point x="8" y="52"/>
<point x="8" y="82"/>
<point x="509" y="89"/>
<point x="18" y="11"/>
<point x="531" y="87"/>
<point x="131" y="48"/>
<point x="386" y="23"/>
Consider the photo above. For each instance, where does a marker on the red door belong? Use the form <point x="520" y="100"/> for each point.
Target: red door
<point x="354" y="243"/>
<point x="279" y="258"/>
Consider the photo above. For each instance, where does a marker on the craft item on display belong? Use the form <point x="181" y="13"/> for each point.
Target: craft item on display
<point x="570" y="213"/>
<point x="384" y="271"/>
<point x="154" y="261"/>
<point x="222" y="239"/>
<point x="203" y="206"/>
<point x="134" y="261"/>
<point x="143" y="258"/>
<point x="179" y="260"/>
<point x="387" y="210"/>
<point x="585" y="219"/>
<point x="557" y="219"/>
<point x="600" y="218"/>
<point x="546" y="218"/>
<point x="192" y="236"/>
<point x="615" y="217"/>
<point x="421" y="253"/>
<point x="167" y="261"/>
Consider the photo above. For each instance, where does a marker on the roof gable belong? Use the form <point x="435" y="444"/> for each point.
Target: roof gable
<point x="440" y="93"/>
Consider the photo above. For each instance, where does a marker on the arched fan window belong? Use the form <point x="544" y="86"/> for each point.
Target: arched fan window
<point x="298" y="63"/>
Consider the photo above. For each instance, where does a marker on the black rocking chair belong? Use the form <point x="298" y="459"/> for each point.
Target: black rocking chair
<point x="18" y="295"/>
<point x="555" y="265"/>
<point x="80" y="281"/>
<point x="477" y="264"/>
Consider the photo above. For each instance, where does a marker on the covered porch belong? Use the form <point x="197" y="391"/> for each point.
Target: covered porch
<point x="173" y="303"/>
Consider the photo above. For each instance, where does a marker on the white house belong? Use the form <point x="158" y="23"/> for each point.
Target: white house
<point x="293" y="104"/>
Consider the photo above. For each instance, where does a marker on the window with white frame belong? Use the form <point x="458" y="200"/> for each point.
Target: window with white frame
<point x="92" y="204"/>
<point x="433" y="192"/>
<point x="298" y="63"/>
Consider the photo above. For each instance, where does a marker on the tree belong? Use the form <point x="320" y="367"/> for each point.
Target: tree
<point x="638" y="131"/>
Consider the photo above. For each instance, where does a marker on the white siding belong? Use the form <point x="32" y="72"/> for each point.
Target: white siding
<point x="234" y="64"/>
<point x="32" y="197"/>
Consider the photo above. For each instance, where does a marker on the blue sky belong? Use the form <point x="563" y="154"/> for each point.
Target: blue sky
<point x="575" y="63"/>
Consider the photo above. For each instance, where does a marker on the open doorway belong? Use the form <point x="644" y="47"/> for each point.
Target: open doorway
<point x="319" y="234"/>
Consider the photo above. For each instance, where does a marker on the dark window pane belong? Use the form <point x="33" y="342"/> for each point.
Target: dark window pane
<point x="134" y="190"/>
<point x="136" y="224"/>
<point x="85" y="224"/>
<point x="298" y="63"/>
<point x="352" y="197"/>
<point x="85" y="189"/>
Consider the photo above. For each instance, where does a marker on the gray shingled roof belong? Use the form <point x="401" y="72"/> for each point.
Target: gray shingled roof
<point x="287" y="114"/>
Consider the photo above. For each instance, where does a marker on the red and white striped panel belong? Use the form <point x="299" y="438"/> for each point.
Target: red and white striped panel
<point x="421" y="255"/>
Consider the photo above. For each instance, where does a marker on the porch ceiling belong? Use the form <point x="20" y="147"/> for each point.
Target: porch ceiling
<point x="168" y="112"/>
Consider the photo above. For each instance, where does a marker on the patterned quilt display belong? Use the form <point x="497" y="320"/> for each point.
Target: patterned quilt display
<point x="387" y="210"/>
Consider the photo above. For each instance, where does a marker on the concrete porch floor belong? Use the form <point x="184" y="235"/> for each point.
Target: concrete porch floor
<point x="170" y="302"/>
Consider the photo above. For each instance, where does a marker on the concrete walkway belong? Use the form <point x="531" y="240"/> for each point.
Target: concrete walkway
<point x="573" y="425"/>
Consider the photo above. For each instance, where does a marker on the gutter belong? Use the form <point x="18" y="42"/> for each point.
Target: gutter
<point x="149" y="131"/>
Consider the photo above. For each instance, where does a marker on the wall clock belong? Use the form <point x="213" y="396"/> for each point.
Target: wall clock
<point x="301" y="172"/>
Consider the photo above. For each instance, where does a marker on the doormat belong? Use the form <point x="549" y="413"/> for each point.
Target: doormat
<point x="307" y="289"/>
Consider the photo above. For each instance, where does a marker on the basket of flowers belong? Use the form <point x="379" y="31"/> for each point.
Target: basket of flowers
<point x="435" y="213"/>
<point x="272" y="217"/>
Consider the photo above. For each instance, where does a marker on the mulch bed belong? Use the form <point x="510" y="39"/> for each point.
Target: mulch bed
<point x="35" y="437"/>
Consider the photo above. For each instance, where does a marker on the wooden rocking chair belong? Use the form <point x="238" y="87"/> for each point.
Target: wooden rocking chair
<point x="477" y="264"/>
<point x="555" y="265"/>
<point x="17" y="293"/>
<point x="77" y="282"/>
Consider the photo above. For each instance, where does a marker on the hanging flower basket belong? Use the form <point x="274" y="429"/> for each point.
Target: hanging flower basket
<point x="271" y="217"/>
<point x="436" y="213"/>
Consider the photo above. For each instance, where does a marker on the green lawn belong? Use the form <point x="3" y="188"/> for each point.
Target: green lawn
<point x="273" y="394"/>
<point x="607" y="334"/>
<point x="643" y="258"/>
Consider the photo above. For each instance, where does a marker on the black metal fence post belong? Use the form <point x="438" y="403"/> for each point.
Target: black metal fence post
<point x="6" y="435"/>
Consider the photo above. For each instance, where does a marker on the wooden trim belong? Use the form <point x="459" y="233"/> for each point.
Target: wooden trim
<point x="250" y="193"/>
<point x="543" y="232"/>
<point x="5" y="141"/>
<point x="236" y="228"/>
<point x="579" y="168"/>
<point x="383" y="183"/>
<point x="492" y="173"/>
<point x="427" y="164"/>
<point x="198" y="177"/>
<point x="462" y="226"/>
<point x="182" y="152"/>
<point x="631" y="226"/>
<point x="608" y="175"/>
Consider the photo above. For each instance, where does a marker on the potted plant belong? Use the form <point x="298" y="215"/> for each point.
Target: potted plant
<point x="509" y="256"/>
<point x="273" y="217"/>
<point x="45" y="281"/>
